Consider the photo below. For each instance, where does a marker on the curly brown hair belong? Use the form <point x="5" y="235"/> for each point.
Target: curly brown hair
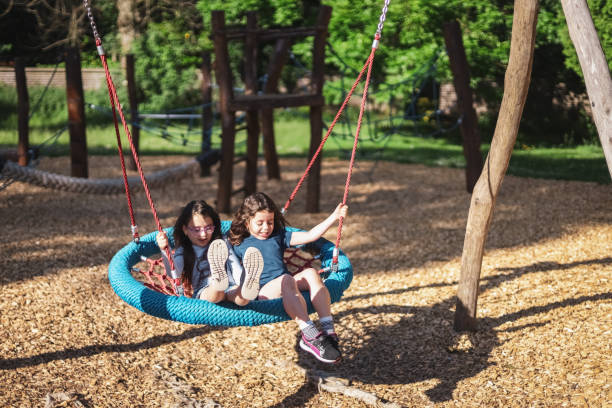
<point x="250" y="206"/>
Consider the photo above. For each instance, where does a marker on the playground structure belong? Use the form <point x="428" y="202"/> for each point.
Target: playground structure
<point x="503" y="142"/>
<point x="254" y="103"/>
<point x="535" y="334"/>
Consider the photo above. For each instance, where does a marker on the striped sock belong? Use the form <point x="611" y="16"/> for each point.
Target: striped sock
<point x="309" y="330"/>
<point x="327" y="324"/>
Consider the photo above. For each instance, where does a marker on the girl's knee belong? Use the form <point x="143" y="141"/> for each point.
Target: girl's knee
<point x="288" y="282"/>
<point x="312" y="277"/>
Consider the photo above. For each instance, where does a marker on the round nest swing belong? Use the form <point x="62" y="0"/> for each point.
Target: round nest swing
<point x="195" y="311"/>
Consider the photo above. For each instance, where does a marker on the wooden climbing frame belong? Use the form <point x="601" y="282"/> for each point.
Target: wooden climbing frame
<point x="255" y="104"/>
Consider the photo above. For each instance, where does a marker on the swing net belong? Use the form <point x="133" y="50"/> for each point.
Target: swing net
<point x="157" y="294"/>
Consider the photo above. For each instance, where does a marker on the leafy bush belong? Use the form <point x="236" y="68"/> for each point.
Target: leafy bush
<point x="166" y="60"/>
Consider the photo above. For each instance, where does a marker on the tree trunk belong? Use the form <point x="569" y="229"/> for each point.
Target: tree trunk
<point x="516" y="85"/>
<point x="469" y="124"/>
<point x="594" y="68"/>
<point x="126" y="26"/>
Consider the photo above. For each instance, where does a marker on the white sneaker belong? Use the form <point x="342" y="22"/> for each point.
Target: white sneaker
<point x="217" y="257"/>
<point x="253" y="265"/>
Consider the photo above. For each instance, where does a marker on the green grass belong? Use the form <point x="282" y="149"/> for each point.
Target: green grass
<point x="584" y="163"/>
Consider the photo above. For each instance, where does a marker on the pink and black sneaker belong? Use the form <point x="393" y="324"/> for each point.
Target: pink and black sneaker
<point x="322" y="347"/>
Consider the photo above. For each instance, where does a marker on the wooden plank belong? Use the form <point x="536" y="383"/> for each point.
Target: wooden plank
<point x="270" y="34"/>
<point x="313" y="184"/>
<point x="275" y="68"/>
<point x="228" y="118"/>
<point x="133" y="99"/>
<point x="76" y="114"/>
<point x="469" y="124"/>
<point x="23" y="112"/>
<point x="207" y="113"/>
<point x="252" y="120"/>
<point x="516" y="85"/>
<point x="246" y="102"/>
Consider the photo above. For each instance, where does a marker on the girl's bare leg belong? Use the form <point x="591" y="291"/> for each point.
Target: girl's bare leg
<point x="234" y="295"/>
<point x="309" y="279"/>
<point x="285" y="286"/>
<point x="212" y="295"/>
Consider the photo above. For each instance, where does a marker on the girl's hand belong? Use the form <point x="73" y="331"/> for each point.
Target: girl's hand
<point x="162" y="240"/>
<point x="341" y="211"/>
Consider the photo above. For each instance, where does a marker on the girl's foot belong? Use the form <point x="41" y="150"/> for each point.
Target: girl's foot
<point x="217" y="257"/>
<point x="253" y="265"/>
<point x="322" y="347"/>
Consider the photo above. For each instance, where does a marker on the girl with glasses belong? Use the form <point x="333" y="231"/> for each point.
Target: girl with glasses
<point x="206" y="263"/>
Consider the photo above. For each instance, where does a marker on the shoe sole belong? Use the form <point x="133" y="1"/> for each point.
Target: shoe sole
<point x="308" y="349"/>
<point x="253" y="266"/>
<point x="217" y="258"/>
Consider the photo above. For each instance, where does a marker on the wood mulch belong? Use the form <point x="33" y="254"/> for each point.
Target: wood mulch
<point x="545" y="305"/>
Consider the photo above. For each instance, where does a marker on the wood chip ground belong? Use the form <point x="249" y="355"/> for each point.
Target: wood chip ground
<point x="545" y="305"/>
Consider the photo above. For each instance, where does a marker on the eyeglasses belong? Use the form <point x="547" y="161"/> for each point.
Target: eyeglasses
<point x="198" y="230"/>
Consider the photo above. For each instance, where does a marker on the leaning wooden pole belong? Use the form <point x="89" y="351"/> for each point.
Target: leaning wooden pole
<point x="594" y="68"/>
<point x="516" y="85"/>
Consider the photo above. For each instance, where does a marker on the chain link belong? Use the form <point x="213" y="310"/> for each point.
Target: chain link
<point x="91" y="19"/>
<point x="383" y="16"/>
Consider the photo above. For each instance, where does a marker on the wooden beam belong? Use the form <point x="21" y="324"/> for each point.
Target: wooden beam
<point x="76" y="113"/>
<point x="469" y="123"/>
<point x="133" y="99"/>
<point x="228" y="117"/>
<point x="278" y="61"/>
<point x="23" y="112"/>
<point x="313" y="183"/>
<point x="207" y="113"/>
<point x="270" y="34"/>
<point x="516" y="85"/>
<point x="246" y="102"/>
<point x="594" y="68"/>
<point x="252" y="115"/>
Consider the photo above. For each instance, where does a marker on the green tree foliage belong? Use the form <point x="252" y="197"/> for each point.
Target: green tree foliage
<point x="167" y="58"/>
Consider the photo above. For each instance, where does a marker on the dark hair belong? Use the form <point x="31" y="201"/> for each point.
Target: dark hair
<point x="250" y="206"/>
<point x="196" y="207"/>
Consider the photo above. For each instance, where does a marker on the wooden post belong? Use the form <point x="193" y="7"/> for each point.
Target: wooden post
<point x="594" y="68"/>
<point x="228" y="118"/>
<point x="76" y="113"/>
<point x="313" y="188"/>
<point x="133" y="99"/>
<point x="23" y="112"/>
<point x="279" y="59"/>
<point x="516" y="85"/>
<point x="252" y="120"/>
<point x="469" y="124"/>
<point x="207" y="113"/>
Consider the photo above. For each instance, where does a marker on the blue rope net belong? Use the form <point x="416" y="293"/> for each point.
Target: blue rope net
<point x="195" y="311"/>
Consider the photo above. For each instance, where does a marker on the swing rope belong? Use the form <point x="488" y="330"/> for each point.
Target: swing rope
<point x="367" y="66"/>
<point x="116" y="106"/>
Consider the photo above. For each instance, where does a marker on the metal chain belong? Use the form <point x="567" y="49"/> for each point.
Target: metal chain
<point x="383" y="16"/>
<point x="91" y="19"/>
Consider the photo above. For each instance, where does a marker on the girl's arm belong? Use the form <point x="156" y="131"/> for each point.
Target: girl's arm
<point x="304" y="237"/>
<point x="162" y="243"/>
